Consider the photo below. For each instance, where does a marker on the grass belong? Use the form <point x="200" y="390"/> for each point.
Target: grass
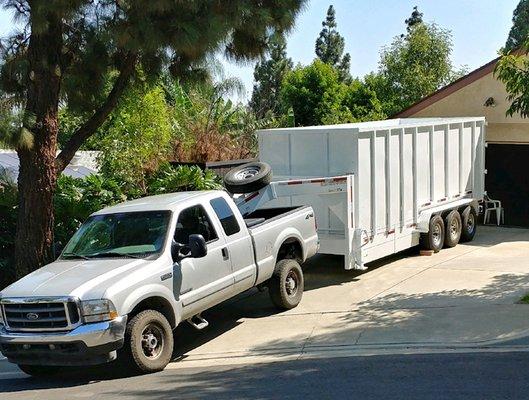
<point x="525" y="299"/>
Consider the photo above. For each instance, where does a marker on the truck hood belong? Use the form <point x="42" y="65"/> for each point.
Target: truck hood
<point x="86" y="279"/>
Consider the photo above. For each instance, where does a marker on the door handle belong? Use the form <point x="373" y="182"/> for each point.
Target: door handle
<point x="225" y="254"/>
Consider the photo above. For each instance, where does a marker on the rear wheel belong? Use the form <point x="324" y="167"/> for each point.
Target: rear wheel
<point x="40" y="371"/>
<point x="149" y="341"/>
<point x="469" y="225"/>
<point x="434" y="239"/>
<point x="248" y="177"/>
<point x="453" y="228"/>
<point x="286" y="285"/>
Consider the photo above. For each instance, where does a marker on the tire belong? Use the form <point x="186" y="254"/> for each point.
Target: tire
<point x="452" y="228"/>
<point x="148" y="341"/>
<point x="434" y="239"/>
<point x="469" y="224"/>
<point x="248" y="177"/>
<point x="286" y="285"/>
<point x="40" y="371"/>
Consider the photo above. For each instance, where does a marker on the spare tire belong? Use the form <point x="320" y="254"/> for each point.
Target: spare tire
<point x="248" y="177"/>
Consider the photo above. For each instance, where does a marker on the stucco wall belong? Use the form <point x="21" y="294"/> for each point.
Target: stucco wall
<point x="469" y="102"/>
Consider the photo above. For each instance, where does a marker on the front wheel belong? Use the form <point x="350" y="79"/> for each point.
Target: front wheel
<point x="286" y="285"/>
<point x="149" y="341"/>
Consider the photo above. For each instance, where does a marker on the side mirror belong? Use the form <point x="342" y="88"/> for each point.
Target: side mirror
<point x="197" y="246"/>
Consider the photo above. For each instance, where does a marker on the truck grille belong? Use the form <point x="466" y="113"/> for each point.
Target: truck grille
<point x="40" y="316"/>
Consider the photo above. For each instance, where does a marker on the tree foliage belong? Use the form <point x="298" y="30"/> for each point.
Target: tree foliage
<point x="207" y="126"/>
<point x="362" y="102"/>
<point x="317" y="96"/>
<point x="513" y="71"/>
<point x="86" y="53"/>
<point x="414" y="66"/>
<point x="414" y="19"/>
<point x="519" y="33"/>
<point x="268" y="76"/>
<point x="137" y="137"/>
<point x="330" y="46"/>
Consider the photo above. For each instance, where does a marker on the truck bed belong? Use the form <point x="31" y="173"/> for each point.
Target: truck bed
<point x="264" y="215"/>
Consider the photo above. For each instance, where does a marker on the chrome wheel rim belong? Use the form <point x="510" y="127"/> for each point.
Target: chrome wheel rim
<point x="152" y="341"/>
<point x="470" y="223"/>
<point x="436" y="235"/>
<point x="454" y="228"/>
<point x="292" y="283"/>
<point x="247" y="173"/>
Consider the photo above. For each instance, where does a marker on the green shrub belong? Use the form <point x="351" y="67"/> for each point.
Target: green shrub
<point x="183" y="178"/>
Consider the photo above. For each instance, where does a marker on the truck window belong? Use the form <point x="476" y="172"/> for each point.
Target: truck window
<point x="194" y="220"/>
<point x="227" y="218"/>
<point x="131" y="233"/>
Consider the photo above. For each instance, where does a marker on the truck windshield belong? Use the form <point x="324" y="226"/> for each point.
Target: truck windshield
<point x="131" y="234"/>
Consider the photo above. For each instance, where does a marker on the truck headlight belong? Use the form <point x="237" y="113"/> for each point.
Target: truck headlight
<point x="98" y="310"/>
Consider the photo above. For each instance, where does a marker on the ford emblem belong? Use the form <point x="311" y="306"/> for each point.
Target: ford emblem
<point x="32" y="316"/>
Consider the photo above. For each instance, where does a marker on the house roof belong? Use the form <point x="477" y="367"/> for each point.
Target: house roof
<point x="448" y="89"/>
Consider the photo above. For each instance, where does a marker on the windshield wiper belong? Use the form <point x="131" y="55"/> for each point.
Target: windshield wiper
<point x="112" y="254"/>
<point x="75" y="255"/>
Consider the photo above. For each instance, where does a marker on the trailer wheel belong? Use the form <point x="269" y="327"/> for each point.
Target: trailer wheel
<point x="149" y="341"/>
<point x="469" y="225"/>
<point x="453" y="228"/>
<point x="434" y="239"/>
<point x="248" y="177"/>
<point x="286" y="285"/>
<point x="40" y="371"/>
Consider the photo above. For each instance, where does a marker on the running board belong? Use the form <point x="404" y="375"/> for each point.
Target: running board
<point x="198" y="322"/>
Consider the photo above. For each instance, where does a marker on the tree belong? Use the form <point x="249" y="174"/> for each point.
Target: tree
<point x="519" y="32"/>
<point x="415" y="19"/>
<point x="69" y="50"/>
<point x="268" y="75"/>
<point x="362" y="102"/>
<point x="315" y="94"/>
<point x="330" y="46"/>
<point x="414" y="66"/>
<point x="207" y="126"/>
<point x="513" y="71"/>
<point x="137" y="137"/>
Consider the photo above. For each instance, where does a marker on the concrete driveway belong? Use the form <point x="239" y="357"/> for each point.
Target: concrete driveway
<point x="462" y="298"/>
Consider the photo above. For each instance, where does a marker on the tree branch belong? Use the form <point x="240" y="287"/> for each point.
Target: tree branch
<point x="99" y="116"/>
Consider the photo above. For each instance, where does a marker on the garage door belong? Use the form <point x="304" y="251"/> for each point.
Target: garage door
<point x="508" y="180"/>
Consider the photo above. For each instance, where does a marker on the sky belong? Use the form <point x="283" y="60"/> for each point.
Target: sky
<point x="479" y="28"/>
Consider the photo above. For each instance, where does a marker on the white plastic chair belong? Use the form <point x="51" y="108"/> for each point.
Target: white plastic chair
<point x="491" y="206"/>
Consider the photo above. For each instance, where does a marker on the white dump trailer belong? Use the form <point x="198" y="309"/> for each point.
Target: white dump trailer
<point x="378" y="188"/>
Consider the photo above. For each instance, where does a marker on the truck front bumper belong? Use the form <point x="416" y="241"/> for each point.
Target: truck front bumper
<point x="87" y="344"/>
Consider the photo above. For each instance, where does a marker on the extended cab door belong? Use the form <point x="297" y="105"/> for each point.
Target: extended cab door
<point x="201" y="282"/>
<point x="238" y="241"/>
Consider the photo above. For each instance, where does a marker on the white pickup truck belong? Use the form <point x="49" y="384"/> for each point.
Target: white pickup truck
<point x="136" y="270"/>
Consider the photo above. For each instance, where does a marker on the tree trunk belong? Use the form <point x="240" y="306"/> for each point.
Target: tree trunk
<point x="37" y="174"/>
